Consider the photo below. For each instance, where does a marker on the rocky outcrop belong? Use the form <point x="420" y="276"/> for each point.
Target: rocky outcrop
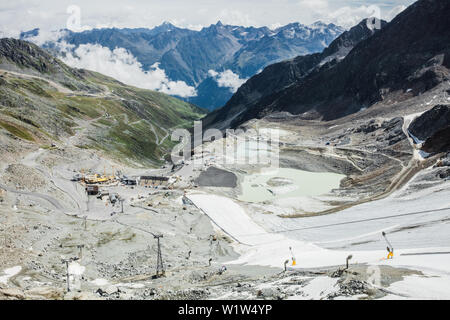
<point x="438" y="142"/>
<point x="430" y="122"/>
<point x="433" y="129"/>
<point x="215" y="177"/>
<point x="27" y="55"/>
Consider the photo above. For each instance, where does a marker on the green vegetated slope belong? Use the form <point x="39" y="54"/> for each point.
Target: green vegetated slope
<point x="42" y="100"/>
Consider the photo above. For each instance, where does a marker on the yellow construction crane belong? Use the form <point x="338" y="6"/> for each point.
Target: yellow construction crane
<point x="113" y="174"/>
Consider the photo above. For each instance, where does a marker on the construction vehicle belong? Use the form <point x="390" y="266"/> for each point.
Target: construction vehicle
<point x="77" y="177"/>
<point x="128" y="181"/>
<point x="95" y="178"/>
<point x="102" y="194"/>
<point x="92" y="178"/>
<point x="102" y="179"/>
<point x="113" y="198"/>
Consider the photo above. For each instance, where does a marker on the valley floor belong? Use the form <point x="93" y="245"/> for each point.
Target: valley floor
<point x="216" y="246"/>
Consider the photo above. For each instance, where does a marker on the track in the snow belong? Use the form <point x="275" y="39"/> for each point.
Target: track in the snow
<point x="353" y="222"/>
<point x="423" y="253"/>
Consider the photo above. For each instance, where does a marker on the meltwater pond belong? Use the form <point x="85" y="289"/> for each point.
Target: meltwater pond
<point x="287" y="183"/>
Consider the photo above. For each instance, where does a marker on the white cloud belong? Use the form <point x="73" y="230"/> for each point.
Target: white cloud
<point x="227" y="79"/>
<point x="394" y="12"/>
<point x="343" y="15"/>
<point x="314" y="4"/>
<point x="123" y="66"/>
<point x="45" y="36"/>
<point x="213" y="73"/>
<point x="8" y="33"/>
<point x="23" y="15"/>
<point x="348" y="16"/>
<point x="235" y="17"/>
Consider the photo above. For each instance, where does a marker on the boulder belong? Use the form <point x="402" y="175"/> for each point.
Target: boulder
<point x="45" y="293"/>
<point x="433" y="129"/>
<point x="430" y="122"/>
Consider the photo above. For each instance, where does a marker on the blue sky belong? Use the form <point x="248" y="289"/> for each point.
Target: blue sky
<point x="53" y="14"/>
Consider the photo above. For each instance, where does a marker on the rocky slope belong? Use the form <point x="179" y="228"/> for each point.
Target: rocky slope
<point x="43" y="101"/>
<point x="406" y="58"/>
<point x="188" y="55"/>
<point x="288" y="41"/>
<point x="432" y="129"/>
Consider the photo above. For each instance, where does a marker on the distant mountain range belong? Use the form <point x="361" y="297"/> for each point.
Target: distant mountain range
<point x="199" y="58"/>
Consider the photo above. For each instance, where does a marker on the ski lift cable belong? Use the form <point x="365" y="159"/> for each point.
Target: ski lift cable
<point x="346" y="223"/>
<point x="134" y="227"/>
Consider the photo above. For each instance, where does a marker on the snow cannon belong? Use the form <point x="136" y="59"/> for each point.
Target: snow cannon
<point x="389" y="248"/>
<point x="294" y="261"/>
<point x="285" y="265"/>
<point x="347" y="260"/>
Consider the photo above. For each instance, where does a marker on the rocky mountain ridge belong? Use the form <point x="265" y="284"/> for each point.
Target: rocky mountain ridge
<point x="45" y="102"/>
<point x="188" y="55"/>
<point x="279" y="76"/>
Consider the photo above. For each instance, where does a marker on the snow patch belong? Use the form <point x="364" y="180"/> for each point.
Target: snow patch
<point x="415" y="139"/>
<point x="318" y="288"/>
<point x="421" y="288"/>
<point x="100" y="282"/>
<point x="76" y="269"/>
<point x="10" y="272"/>
<point x="227" y="79"/>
